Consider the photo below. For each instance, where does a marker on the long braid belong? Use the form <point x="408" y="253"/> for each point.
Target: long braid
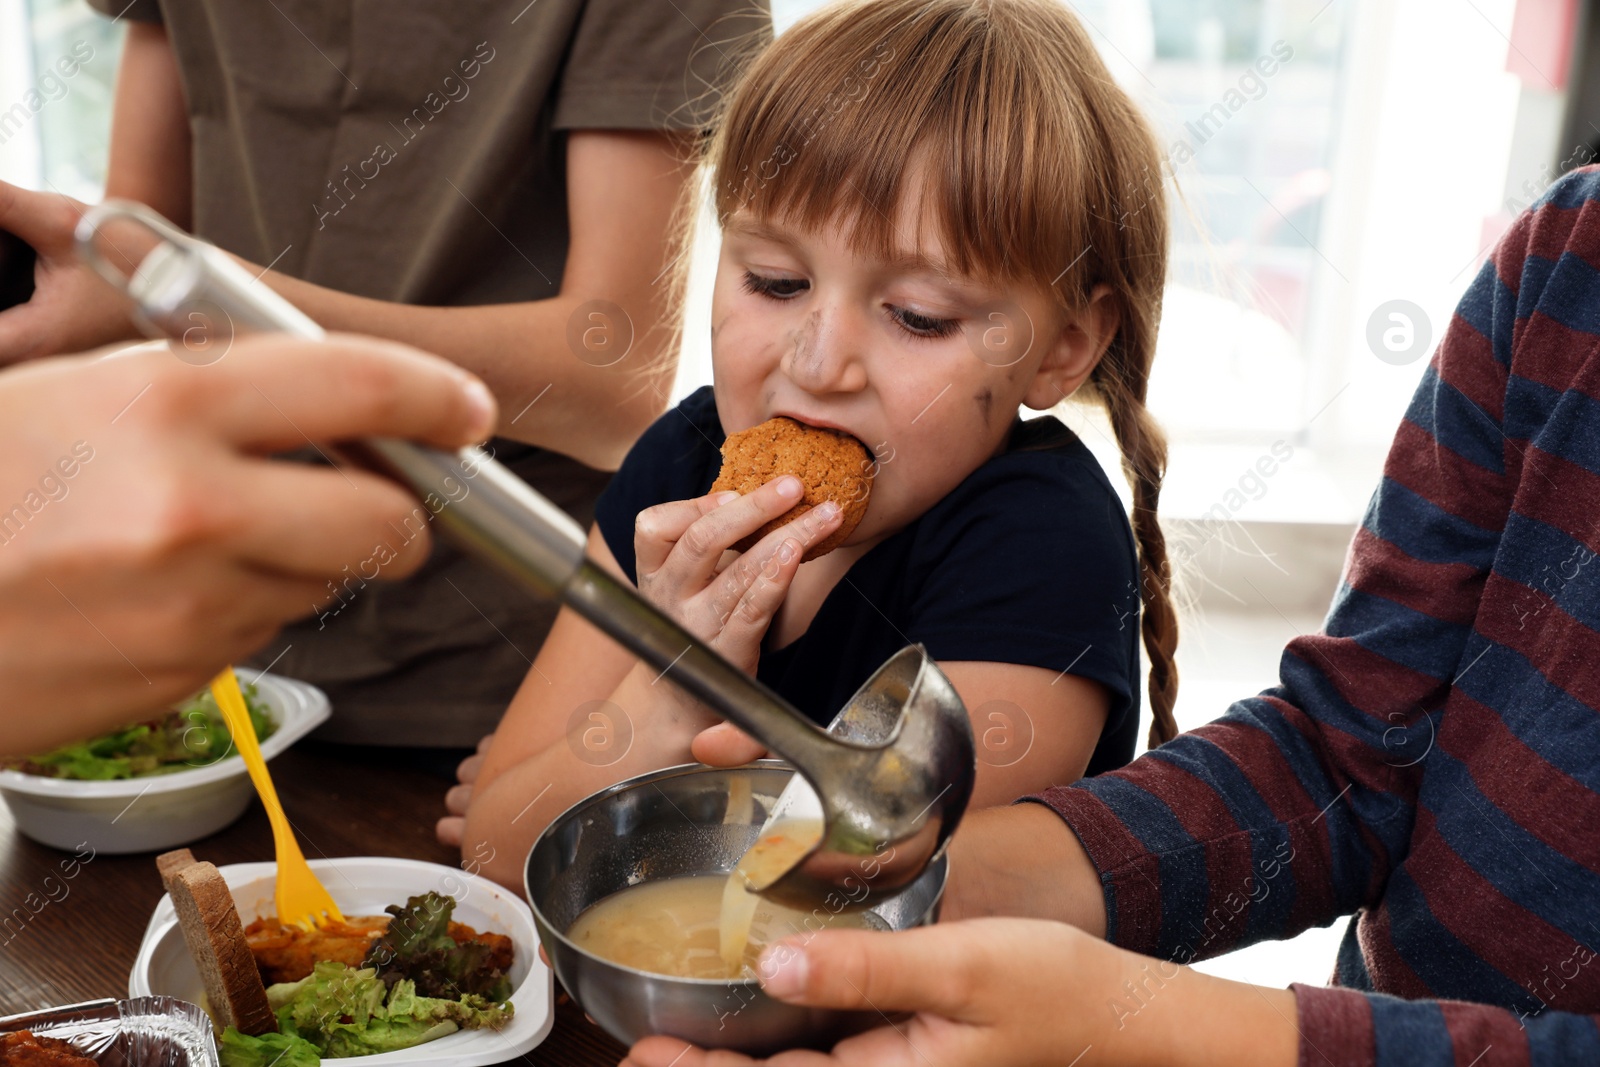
<point x="1129" y="238"/>
<point x="1144" y="461"/>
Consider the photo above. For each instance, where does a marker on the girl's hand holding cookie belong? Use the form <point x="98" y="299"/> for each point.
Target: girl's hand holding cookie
<point x="687" y="567"/>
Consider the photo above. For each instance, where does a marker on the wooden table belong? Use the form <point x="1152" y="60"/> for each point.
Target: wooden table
<point x="80" y="946"/>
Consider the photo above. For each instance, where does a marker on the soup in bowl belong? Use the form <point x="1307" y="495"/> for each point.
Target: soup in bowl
<point x="634" y="905"/>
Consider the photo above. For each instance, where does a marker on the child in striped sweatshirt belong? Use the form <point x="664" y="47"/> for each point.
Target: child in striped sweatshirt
<point x="1429" y="763"/>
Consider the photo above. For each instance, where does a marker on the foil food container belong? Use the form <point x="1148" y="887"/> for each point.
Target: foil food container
<point x="142" y="1032"/>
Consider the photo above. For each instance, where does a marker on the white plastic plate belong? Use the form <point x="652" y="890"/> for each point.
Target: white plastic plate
<point x="366" y="885"/>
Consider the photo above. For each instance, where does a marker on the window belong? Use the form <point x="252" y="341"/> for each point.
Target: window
<point x="1348" y="189"/>
<point x="56" y="111"/>
<point x="1245" y="97"/>
<point x="1334" y="157"/>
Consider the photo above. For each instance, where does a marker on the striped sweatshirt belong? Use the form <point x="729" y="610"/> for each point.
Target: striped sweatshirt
<point x="1430" y="762"/>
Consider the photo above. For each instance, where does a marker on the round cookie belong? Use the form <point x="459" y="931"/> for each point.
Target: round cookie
<point x="831" y="465"/>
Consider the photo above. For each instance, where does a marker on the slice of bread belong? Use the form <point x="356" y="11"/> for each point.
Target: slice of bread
<point x="216" y="940"/>
<point x="170" y="863"/>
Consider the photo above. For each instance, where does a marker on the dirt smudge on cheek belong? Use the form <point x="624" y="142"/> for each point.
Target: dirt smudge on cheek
<point x="985" y="402"/>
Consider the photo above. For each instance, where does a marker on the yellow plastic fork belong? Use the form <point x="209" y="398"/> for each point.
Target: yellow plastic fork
<point x="300" y="898"/>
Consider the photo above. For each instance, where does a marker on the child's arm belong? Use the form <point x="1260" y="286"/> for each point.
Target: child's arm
<point x="1033" y="728"/>
<point x="1013" y="993"/>
<point x="1295" y="807"/>
<point x="576" y="664"/>
<point x="531" y="773"/>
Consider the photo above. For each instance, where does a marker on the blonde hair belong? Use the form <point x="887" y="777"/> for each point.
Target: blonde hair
<point x="1038" y="169"/>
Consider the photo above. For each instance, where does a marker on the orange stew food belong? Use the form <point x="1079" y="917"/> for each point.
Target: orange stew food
<point x="286" y="953"/>
<point x="23" y="1049"/>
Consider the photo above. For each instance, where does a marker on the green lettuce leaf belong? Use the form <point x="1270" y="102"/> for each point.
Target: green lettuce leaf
<point x="268" y="1050"/>
<point x="331" y="995"/>
<point x="382" y="1035"/>
<point x="470" y="1012"/>
<point x="344" y="1011"/>
<point x="191" y="735"/>
<point x="418" y="947"/>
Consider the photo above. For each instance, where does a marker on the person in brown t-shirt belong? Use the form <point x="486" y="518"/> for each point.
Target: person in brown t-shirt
<point x="497" y="183"/>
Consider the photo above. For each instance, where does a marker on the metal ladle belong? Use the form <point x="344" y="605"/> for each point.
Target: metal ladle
<point x="892" y="782"/>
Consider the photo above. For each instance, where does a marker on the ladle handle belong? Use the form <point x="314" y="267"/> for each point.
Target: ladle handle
<point x="479" y="503"/>
<point x="504" y="521"/>
<point x="641" y="628"/>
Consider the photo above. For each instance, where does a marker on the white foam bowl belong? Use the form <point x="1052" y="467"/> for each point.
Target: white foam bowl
<point x="166" y="810"/>
<point x="365" y="886"/>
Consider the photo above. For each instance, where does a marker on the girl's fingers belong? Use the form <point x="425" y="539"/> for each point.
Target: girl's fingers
<point x="734" y="581"/>
<point x="449" y="830"/>
<point x="467" y="772"/>
<point x="657" y="530"/>
<point x="457" y="799"/>
<point x="746" y="622"/>
<point x="699" y="550"/>
<point x="729" y="558"/>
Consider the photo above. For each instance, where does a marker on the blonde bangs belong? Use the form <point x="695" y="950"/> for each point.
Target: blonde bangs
<point x="984" y="102"/>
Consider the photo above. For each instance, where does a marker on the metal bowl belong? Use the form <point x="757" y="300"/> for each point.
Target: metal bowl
<point x="663" y="825"/>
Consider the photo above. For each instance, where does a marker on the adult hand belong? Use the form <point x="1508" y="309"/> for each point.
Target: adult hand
<point x="146" y="540"/>
<point x="1008" y="993"/>
<point x="687" y="567"/>
<point x="72" y="308"/>
<point x="450" y="828"/>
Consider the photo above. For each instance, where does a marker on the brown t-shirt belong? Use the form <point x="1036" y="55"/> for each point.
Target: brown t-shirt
<point x="415" y="152"/>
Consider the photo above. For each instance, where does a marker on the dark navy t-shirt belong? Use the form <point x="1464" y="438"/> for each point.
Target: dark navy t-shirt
<point x="1030" y="560"/>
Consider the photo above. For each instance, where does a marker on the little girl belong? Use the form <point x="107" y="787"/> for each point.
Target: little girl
<point x="933" y="212"/>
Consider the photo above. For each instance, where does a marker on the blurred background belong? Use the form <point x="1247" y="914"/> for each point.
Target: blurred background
<point x="1342" y="169"/>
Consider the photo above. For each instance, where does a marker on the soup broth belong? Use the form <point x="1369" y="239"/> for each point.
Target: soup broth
<point x="779" y="848"/>
<point x="674" y="926"/>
